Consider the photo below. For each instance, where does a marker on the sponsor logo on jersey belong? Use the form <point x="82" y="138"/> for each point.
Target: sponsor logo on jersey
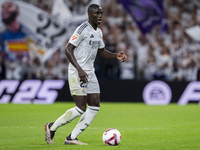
<point x="75" y="37"/>
<point x="94" y="42"/>
<point x="92" y="36"/>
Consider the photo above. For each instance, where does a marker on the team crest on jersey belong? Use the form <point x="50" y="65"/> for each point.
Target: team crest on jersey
<point x="83" y="90"/>
<point x="100" y="35"/>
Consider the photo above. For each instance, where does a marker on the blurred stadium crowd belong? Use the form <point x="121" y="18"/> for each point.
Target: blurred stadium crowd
<point x="168" y="54"/>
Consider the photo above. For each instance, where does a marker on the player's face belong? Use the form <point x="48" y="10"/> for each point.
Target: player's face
<point x="97" y="15"/>
<point x="9" y="12"/>
<point x="7" y="8"/>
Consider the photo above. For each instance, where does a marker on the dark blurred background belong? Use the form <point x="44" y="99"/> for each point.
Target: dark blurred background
<point x="165" y="52"/>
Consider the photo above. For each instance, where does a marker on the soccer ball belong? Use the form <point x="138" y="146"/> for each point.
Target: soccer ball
<point x="111" y="137"/>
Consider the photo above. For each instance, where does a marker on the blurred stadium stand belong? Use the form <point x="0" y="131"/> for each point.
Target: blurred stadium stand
<point x="168" y="54"/>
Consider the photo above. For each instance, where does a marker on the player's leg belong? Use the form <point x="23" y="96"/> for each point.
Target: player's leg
<point x="93" y="100"/>
<point x="89" y="115"/>
<point x="69" y="115"/>
<point x="72" y="113"/>
<point x="81" y="102"/>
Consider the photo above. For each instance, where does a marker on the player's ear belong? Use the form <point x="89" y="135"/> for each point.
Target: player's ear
<point x="89" y="15"/>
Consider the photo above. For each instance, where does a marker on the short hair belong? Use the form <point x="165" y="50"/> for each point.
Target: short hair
<point x="90" y="8"/>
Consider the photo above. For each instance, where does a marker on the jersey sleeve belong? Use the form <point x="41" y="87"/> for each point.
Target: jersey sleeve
<point x="76" y="37"/>
<point x="101" y="45"/>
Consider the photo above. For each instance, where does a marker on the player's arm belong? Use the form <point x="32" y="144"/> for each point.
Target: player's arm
<point x="108" y="55"/>
<point x="69" y="51"/>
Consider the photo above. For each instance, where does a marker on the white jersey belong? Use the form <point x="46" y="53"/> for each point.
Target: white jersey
<point x="87" y="41"/>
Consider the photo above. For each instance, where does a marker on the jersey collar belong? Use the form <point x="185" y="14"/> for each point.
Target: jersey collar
<point x="91" y="26"/>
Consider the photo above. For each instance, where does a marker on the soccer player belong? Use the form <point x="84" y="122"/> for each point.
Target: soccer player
<point x="81" y="51"/>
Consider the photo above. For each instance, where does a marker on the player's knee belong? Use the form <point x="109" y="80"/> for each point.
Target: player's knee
<point x="94" y="100"/>
<point x="82" y="107"/>
<point x="94" y="103"/>
<point x="97" y="104"/>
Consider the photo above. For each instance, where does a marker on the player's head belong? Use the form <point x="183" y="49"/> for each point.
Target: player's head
<point x="95" y="14"/>
<point x="9" y="12"/>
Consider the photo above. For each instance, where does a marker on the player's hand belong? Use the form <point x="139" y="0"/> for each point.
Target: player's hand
<point x="83" y="76"/>
<point x="121" y="56"/>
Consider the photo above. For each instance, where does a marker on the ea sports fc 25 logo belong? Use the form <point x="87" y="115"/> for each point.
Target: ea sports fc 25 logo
<point x="30" y="91"/>
<point x="159" y="93"/>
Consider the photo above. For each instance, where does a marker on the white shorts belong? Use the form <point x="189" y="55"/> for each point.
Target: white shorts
<point x="79" y="88"/>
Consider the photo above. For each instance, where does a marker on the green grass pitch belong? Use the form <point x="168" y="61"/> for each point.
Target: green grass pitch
<point x="142" y="127"/>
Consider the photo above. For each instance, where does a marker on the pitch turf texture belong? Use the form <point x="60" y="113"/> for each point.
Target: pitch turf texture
<point x="142" y="127"/>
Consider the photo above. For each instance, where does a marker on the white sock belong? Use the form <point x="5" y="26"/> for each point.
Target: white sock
<point x="67" y="117"/>
<point x="85" y="121"/>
